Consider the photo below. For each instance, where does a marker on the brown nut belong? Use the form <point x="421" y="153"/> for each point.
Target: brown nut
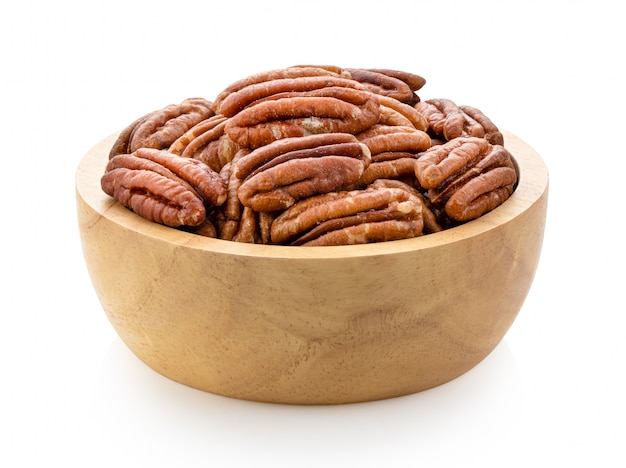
<point x="396" y="169"/>
<point x="311" y="146"/>
<point x="198" y="136"/>
<point x="394" y="112"/>
<point x="217" y="153"/>
<point x="159" y="129"/>
<point x="280" y="88"/>
<point x="297" y="71"/>
<point x="449" y="121"/>
<point x="203" y="179"/>
<point x="468" y="176"/>
<point x="392" y="142"/>
<point x="159" y="185"/>
<point x="488" y="157"/>
<point x="429" y="213"/>
<point x="275" y="176"/>
<point x="234" y="221"/>
<point x="395" y="84"/>
<point x="350" y="217"/>
<point x="154" y="197"/>
<point x="208" y="143"/>
<point x="248" y="227"/>
<point x="441" y="163"/>
<point x="120" y="146"/>
<point x="228" y="216"/>
<point x="492" y="133"/>
<point x="481" y="194"/>
<point x="415" y="82"/>
<point x="368" y="232"/>
<point x="298" y="107"/>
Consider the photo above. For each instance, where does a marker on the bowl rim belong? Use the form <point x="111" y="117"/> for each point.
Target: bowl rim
<point x="532" y="184"/>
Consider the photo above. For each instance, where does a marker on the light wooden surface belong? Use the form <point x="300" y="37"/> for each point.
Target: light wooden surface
<point x="318" y="325"/>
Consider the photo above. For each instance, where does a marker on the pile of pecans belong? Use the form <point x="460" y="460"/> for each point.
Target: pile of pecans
<point x="312" y="155"/>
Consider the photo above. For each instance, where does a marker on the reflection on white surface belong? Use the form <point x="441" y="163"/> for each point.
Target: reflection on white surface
<point x="148" y="418"/>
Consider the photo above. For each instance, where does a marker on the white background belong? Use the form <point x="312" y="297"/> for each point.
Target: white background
<point x="552" y="394"/>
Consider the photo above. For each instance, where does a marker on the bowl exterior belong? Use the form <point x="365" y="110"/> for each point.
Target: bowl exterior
<point x="321" y="326"/>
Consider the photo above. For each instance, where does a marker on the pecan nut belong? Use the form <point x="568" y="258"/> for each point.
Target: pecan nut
<point x="260" y="113"/>
<point x="368" y="232"/>
<point x="276" y="175"/>
<point x="429" y="213"/>
<point x="228" y="216"/>
<point x="279" y="88"/>
<point x="245" y="229"/>
<point x="121" y="144"/>
<point x="297" y="71"/>
<point x="234" y="221"/>
<point x="394" y="112"/>
<point x="449" y="121"/>
<point x="402" y="168"/>
<point x="198" y="136"/>
<point x="205" y="181"/>
<point x="163" y="187"/>
<point x="481" y="194"/>
<point x="392" y="142"/>
<point x="159" y="129"/>
<point x="218" y="153"/>
<point x="394" y="150"/>
<point x="468" y="176"/>
<point x="491" y="133"/>
<point x="154" y="197"/>
<point x="373" y="214"/>
<point x="208" y="143"/>
<point x="396" y="84"/>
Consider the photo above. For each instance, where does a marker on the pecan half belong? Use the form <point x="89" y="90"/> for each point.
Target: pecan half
<point x="415" y="82"/>
<point x="275" y="176"/>
<point x="297" y="71"/>
<point x="206" y="181"/>
<point x="402" y="168"/>
<point x="394" y="150"/>
<point x="394" y="112"/>
<point x="481" y="194"/>
<point x="208" y="143"/>
<point x="198" y="136"/>
<point x="491" y="133"/>
<point x="429" y="213"/>
<point x="279" y="88"/>
<point x="370" y="231"/>
<point x="350" y="217"/>
<point x="218" y="153"/>
<point x="449" y="121"/>
<point x="163" y="187"/>
<point x="121" y="144"/>
<point x="248" y="227"/>
<point x="392" y="83"/>
<point x="154" y="197"/>
<point x="228" y="216"/>
<point x="234" y="221"/>
<point x="468" y="176"/>
<point x="392" y="142"/>
<point x="295" y="107"/>
<point x="159" y="129"/>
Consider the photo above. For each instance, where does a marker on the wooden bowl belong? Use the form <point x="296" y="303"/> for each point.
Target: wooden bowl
<point x="312" y="325"/>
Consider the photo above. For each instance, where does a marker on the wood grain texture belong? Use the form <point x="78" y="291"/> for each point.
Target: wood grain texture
<point x="317" y="325"/>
